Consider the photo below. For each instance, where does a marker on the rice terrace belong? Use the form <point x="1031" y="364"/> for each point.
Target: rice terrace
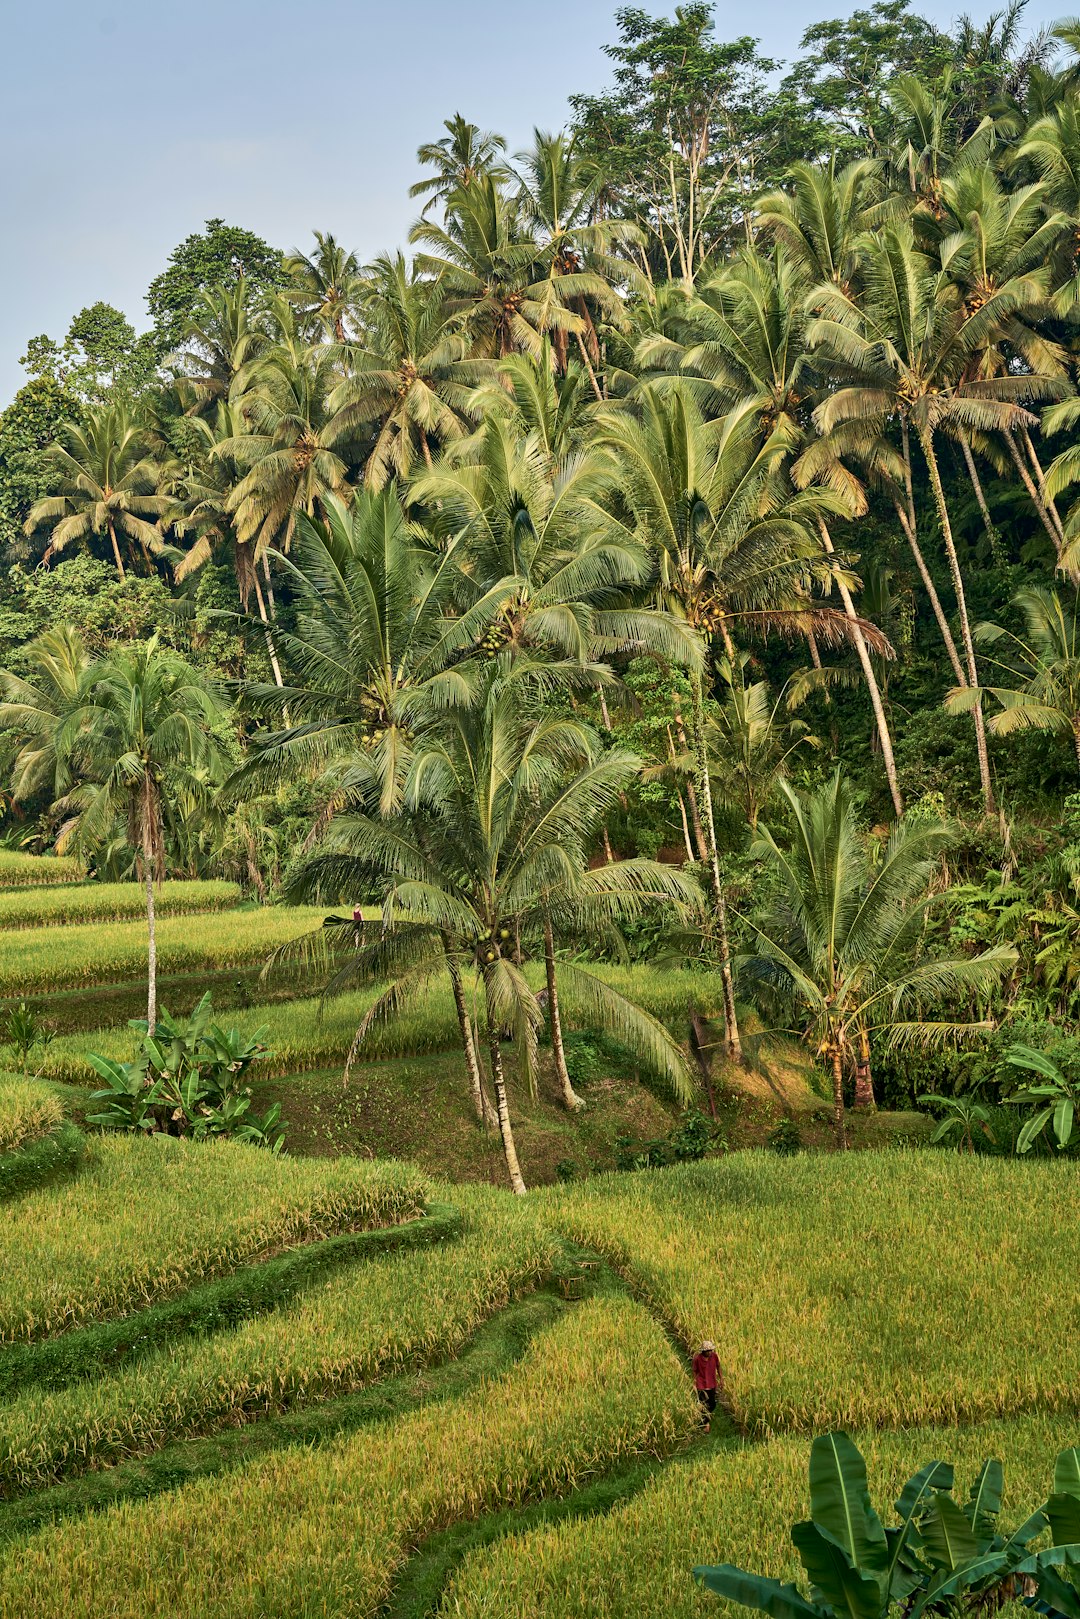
<point x="540" y="814"/>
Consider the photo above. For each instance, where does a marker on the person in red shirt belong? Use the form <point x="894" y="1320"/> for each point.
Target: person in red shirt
<point x="707" y="1380"/>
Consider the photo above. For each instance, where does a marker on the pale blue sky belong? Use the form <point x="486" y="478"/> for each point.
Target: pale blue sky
<point x="124" y="124"/>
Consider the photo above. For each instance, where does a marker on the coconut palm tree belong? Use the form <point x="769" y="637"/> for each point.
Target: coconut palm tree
<point x="410" y="371"/>
<point x="327" y="284"/>
<point x="289" y="449"/>
<point x="822" y="218"/>
<point x="1044" y="663"/>
<point x="104" y="483"/>
<point x="558" y="201"/>
<point x="464" y="154"/>
<point x="34" y="706"/>
<point x="143" y="725"/>
<point x="733" y="546"/>
<point x="496" y="275"/>
<point x="905" y="349"/>
<point x="844" y="946"/>
<point x="376" y="649"/>
<point x="222" y="338"/>
<point x="500" y="807"/>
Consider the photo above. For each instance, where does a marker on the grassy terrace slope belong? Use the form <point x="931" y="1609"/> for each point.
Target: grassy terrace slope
<point x="307" y="1034"/>
<point x="147" y="1218"/>
<point x="875" y="1289"/>
<point x="736" y="1507"/>
<point x="18" y="870"/>
<point x="109" y="902"/>
<point x="601" y="1385"/>
<point x="53" y="958"/>
<point x="405" y="1309"/>
<point x="27" y="1110"/>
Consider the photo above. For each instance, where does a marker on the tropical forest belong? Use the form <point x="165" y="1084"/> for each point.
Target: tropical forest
<point x="540" y="869"/>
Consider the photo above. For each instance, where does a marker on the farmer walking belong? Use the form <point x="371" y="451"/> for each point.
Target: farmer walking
<point x="707" y="1380"/>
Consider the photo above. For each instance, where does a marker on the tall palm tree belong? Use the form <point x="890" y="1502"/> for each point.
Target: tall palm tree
<point x="558" y="200"/>
<point x="1044" y="663"/>
<point x="463" y="155"/>
<point x="844" y="946"/>
<point x="144" y="723"/>
<point x="496" y="275"/>
<point x="34" y="706"/>
<point x="822" y="218"/>
<point x="375" y="651"/>
<point x="104" y="482"/>
<point x="500" y="806"/>
<point x="904" y="349"/>
<point x="289" y="449"/>
<point x="410" y="374"/>
<point x="731" y="545"/>
<point x="327" y="284"/>
<point x="223" y="336"/>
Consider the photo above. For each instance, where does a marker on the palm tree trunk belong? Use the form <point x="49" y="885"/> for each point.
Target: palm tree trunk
<point x="270" y="648"/>
<point x="868" y="675"/>
<point x="117" y="558"/>
<point x="838" y="1100"/>
<point x="589" y="369"/>
<point x="517" y="1184"/>
<point x="908" y="523"/>
<point x="734" y="1043"/>
<point x="691" y="795"/>
<point x="570" y="1097"/>
<point x="976" y="484"/>
<point x="864" y="1082"/>
<point x="151" y="921"/>
<point x="927" y="442"/>
<point x="485" y="1113"/>
<point x="1040" y="479"/>
<point x="1033" y="493"/>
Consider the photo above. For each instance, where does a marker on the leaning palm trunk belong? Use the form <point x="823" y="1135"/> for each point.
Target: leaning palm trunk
<point x="868" y="675"/>
<point x="734" y="1044"/>
<point x="270" y="648"/>
<point x="116" y="549"/>
<point x="905" y="511"/>
<point x="927" y="441"/>
<point x="517" y="1184"/>
<point x="1033" y="493"/>
<point x="570" y="1097"/>
<point x="976" y="484"/>
<point x="485" y="1113"/>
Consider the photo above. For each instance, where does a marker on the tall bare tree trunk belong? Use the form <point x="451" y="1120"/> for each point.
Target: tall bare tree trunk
<point x="270" y="648"/>
<point x="149" y="872"/>
<point x="570" y="1097"/>
<point x="691" y="794"/>
<point x="838" y="1101"/>
<point x="117" y="558"/>
<point x="734" y="1043"/>
<point x="927" y="442"/>
<point x="517" y="1183"/>
<point x="1040" y="479"/>
<point x="868" y="674"/>
<point x="485" y="1113"/>
<point x="976" y="484"/>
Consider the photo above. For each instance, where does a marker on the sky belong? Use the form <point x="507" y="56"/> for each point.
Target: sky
<point x="125" y="124"/>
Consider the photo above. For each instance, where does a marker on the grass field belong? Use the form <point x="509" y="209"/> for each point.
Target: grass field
<point x="147" y="1217"/>
<point x="848" y="1290"/>
<point x="736" y="1507"/>
<point x="19" y="870"/>
<point x="409" y="1308"/>
<point x="109" y="902"/>
<point x="89" y="953"/>
<point x="601" y="1385"/>
<point x="27" y="1110"/>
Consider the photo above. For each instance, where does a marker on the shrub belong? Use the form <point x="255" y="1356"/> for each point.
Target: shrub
<point x="785" y="1138"/>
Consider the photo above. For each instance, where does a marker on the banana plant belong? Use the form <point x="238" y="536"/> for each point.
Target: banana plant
<point x="938" y="1557"/>
<point x="1057" y="1095"/>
